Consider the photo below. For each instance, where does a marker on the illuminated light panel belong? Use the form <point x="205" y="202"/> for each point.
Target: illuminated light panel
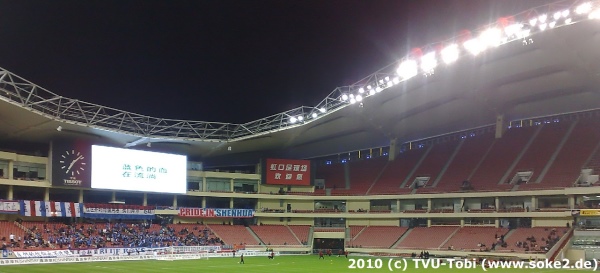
<point x="300" y="118"/>
<point x="344" y="97"/>
<point x="351" y="96"/>
<point x="352" y="101"/>
<point x="557" y="15"/>
<point x="565" y="13"/>
<point x="552" y="24"/>
<point x="396" y="80"/>
<point x="407" y="69"/>
<point x="473" y="46"/>
<point x="390" y="84"/>
<point x="378" y="89"/>
<point x="491" y="37"/>
<point x="322" y="110"/>
<point x="543" y="18"/>
<point x="533" y="22"/>
<point x="293" y="120"/>
<point x="359" y="98"/>
<point x="584" y="8"/>
<point x="568" y="21"/>
<point x="594" y="14"/>
<point x="314" y="115"/>
<point x="361" y="90"/>
<point x="387" y="78"/>
<point x="450" y="54"/>
<point x="428" y="62"/>
<point x="369" y="87"/>
<point x="513" y="30"/>
<point x="371" y="92"/>
<point x="543" y="27"/>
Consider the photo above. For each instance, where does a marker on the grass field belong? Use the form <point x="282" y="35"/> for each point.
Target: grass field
<point x="281" y="264"/>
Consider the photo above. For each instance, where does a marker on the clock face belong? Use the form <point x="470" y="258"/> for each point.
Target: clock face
<point x="72" y="163"/>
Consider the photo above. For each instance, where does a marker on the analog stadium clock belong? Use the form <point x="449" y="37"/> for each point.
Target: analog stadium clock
<point x="72" y="163"/>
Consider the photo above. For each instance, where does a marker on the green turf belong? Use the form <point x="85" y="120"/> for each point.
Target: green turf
<point x="281" y="264"/>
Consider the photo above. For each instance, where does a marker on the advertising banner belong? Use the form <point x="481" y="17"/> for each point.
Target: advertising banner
<point x="287" y="172"/>
<point x="216" y="213"/>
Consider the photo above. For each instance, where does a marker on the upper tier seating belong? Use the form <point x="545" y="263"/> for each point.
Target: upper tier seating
<point x="396" y="172"/>
<point x="567" y="166"/>
<point x="503" y="153"/>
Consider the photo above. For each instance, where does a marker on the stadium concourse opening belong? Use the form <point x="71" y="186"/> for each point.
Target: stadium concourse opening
<point x="327" y="245"/>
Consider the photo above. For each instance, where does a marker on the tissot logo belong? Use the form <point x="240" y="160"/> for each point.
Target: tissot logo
<point x="71" y="182"/>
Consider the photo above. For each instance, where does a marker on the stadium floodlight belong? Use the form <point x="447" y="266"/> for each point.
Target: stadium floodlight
<point x="344" y="97"/>
<point x="351" y="96"/>
<point x="396" y="80"/>
<point x="595" y="14"/>
<point x="513" y="30"/>
<point x="378" y="89"/>
<point x="407" y="69"/>
<point x="359" y="98"/>
<point x="557" y="15"/>
<point x="293" y="120"/>
<point x="314" y="115"/>
<point x="568" y="21"/>
<point x="583" y="8"/>
<point x="429" y="62"/>
<point x="566" y="13"/>
<point x="450" y="53"/>
<point x="361" y="90"/>
<point x="543" y="27"/>
<point x="532" y="22"/>
<point x="552" y="24"/>
<point x="300" y="118"/>
<point x="369" y="87"/>
<point x="491" y="37"/>
<point x="390" y="84"/>
<point x="387" y="78"/>
<point x="322" y="110"/>
<point x="352" y="101"/>
<point x="371" y="92"/>
<point x="474" y="46"/>
<point x="543" y="18"/>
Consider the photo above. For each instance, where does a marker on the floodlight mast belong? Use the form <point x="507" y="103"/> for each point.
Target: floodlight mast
<point x="22" y="93"/>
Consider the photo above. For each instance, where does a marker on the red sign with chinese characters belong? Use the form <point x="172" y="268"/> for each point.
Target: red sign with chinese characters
<point x="287" y="172"/>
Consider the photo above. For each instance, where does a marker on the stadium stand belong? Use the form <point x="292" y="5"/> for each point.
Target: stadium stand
<point x="275" y="235"/>
<point x="378" y="237"/>
<point x="426" y="237"/>
<point x="396" y="172"/>
<point x="539" y="152"/>
<point x="301" y="231"/>
<point x="499" y="158"/>
<point x="568" y="163"/>
<point x="537" y="239"/>
<point x="434" y="162"/>
<point x="474" y="238"/>
<point x="234" y="234"/>
<point x="465" y="161"/>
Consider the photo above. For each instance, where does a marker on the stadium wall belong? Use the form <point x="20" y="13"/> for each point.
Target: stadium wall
<point x="373" y="222"/>
<point x="552" y="222"/>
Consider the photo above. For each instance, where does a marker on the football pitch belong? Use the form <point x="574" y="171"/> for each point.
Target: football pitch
<point x="281" y="264"/>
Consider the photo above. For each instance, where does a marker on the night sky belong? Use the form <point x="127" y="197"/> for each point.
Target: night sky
<point x="222" y="60"/>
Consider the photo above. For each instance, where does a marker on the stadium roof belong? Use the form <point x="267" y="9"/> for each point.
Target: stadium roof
<point x="550" y="70"/>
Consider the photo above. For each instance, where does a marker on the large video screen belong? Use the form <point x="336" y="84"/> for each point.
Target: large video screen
<point x="133" y="170"/>
<point x="287" y="172"/>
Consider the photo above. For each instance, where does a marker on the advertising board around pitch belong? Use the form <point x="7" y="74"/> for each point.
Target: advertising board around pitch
<point x="134" y="170"/>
